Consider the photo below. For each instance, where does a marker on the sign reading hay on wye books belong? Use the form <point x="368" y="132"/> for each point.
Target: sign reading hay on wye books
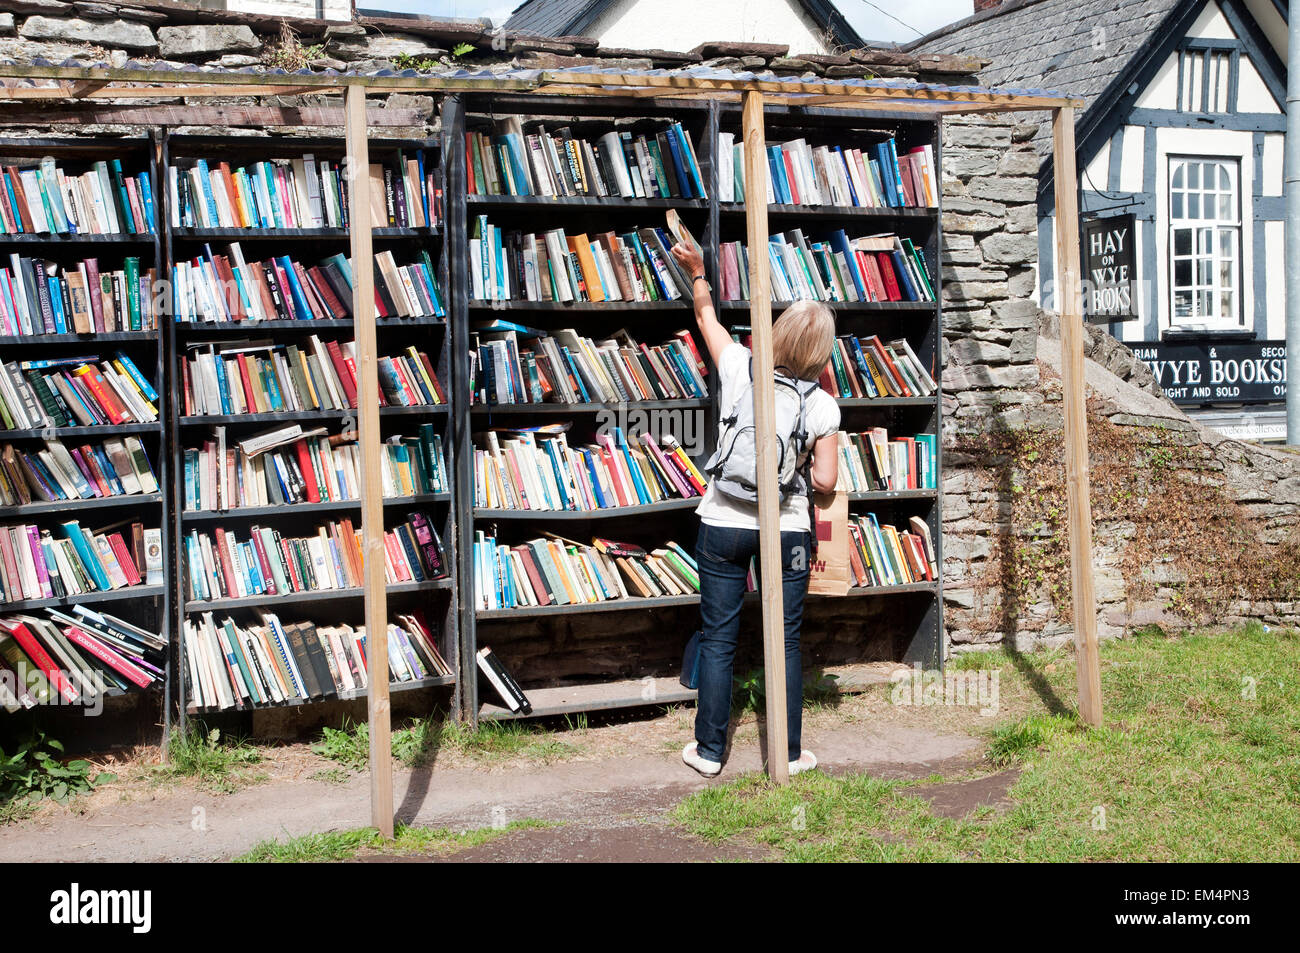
<point x="1110" y="269"/>
<point x="1249" y="372"/>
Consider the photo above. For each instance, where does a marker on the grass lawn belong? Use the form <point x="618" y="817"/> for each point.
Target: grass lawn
<point x="1199" y="760"/>
<point x="366" y="841"/>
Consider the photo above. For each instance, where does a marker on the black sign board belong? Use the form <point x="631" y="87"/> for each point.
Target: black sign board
<point x="1110" y="291"/>
<point x="1253" y="372"/>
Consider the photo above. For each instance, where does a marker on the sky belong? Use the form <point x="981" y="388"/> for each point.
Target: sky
<point x="873" y="19"/>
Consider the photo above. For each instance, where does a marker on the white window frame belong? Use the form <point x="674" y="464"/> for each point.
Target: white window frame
<point x="1230" y="144"/>
<point x="1213" y="240"/>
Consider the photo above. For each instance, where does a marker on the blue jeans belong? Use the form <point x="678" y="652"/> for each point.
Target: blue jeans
<point x="723" y="554"/>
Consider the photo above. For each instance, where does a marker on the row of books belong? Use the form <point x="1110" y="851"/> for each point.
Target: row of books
<point x="236" y="666"/>
<point x="553" y="266"/>
<point x="104" y="200"/>
<point x="74" y="657"/>
<point x="75" y="391"/>
<point x="251" y="377"/>
<point x="268" y="563"/>
<point x="44" y="297"/>
<point x="871" y="268"/>
<point x="34" y="564"/>
<point x="291" y="465"/>
<point x="116" y="467"/>
<point x="868" y="367"/>
<point x="566" y="367"/>
<point x="885" y="556"/>
<point x="621" y="163"/>
<point x="526" y="473"/>
<point x="213" y="287"/>
<point x="802" y="174"/>
<point x="872" y="461"/>
<point x="555" y="571"/>
<point x="303" y="193"/>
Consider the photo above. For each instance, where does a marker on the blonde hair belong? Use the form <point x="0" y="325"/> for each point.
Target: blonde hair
<point x="802" y="339"/>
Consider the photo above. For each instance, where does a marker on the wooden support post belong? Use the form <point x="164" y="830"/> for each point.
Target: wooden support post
<point x="1077" y="483"/>
<point x="372" y="506"/>
<point x="769" y="509"/>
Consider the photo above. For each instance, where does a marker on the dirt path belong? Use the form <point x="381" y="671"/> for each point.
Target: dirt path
<point x="612" y="801"/>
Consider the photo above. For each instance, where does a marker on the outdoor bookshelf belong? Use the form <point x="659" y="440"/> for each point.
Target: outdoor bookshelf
<point x="145" y="605"/>
<point x="435" y="599"/>
<point x="616" y="683"/>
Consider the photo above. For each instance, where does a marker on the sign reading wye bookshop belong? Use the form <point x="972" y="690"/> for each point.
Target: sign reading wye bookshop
<point x="1253" y="372"/>
<point x="1109" y="270"/>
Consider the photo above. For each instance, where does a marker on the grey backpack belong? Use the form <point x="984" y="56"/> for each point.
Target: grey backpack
<point x="733" y="468"/>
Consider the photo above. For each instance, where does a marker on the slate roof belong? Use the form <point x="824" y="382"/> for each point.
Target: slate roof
<point x="575" y="17"/>
<point x="1079" y="46"/>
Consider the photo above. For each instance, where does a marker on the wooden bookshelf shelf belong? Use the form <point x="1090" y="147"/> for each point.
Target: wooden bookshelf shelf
<point x="607" y="203"/>
<point x="293" y="509"/>
<point x="108" y="595"/>
<point x="578" y="307"/>
<point x="106" y="430"/>
<point x="45" y="238"/>
<point x="115" y="337"/>
<point x="436" y="681"/>
<point x="256" y="234"/>
<point x="69" y="508"/>
<point x="885" y="496"/>
<point x="487" y="410"/>
<point x="609" y="512"/>
<point x="853" y="403"/>
<point x="851" y="307"/>
<point x="282" y="416"/>
<point x="251" y="327"/>
<point x="882" y="215"/>
<point x="270" y="603"/>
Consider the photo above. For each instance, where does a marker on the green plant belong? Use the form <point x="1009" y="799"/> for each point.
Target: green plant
<point x="1012" y="742"/>
<point x="36" y="771"/>
<point x="288" y="53"/>
<point x="349" y="745"/>
<point x="462" y="49"/>
<point x="421" y="64"/>
<point x="215" y="764"/>
<point x="749" y="692"/>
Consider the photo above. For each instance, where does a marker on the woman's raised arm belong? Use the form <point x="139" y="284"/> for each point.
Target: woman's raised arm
<point x="716" y="338"/>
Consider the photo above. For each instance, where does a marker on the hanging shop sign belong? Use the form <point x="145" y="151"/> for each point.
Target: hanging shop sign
<point x="1110" y="269"/>
<point x="1251" y="372"/>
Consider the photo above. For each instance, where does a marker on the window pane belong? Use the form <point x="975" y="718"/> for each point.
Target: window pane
<point x="1194" y="204"/>
<point x="1205" y="241"/>
<point x="1225" y="179"/>
<point x="1183" y="272"/>
<point x="1176" y="205"/>
<point x="1177" y="179"/>
<point x="1203" y="307"/>
<point x="1228" y="243"/>
<point x="1183" y="304"/>
<point x="1194" y="175"/>
<point x="1182" y="241"/>
<point x="1228" y="305"/>
<point x="1227" y="272"/>
<point x="1225" y="208"/>
<point x="1205" y="271"/>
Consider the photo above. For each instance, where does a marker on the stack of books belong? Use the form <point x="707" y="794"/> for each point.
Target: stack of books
<point x="212" y="287"/>
<point x="36" y="565"/>
<point x="565" y="367"/>
<point x="117" y="467"/>
<point x="291" y="465"/>
<point x="872" y="268"/>
<point x="626" y="164"/>
<point x="74" y="657"/>
<point x="44" y="297"/>
<point x="103" y="201"/>
<point x="800" y="174"/>
<point x="302" y="193"/>
<point x="870" y="461"/>
<point x="237" y="666"/>
<point x="868" y="367"/>
<point x="557" y="571"/>
<point x="74" y="391"/>
<point x="554" y="266"/>
<point x="884" y="556"/>
<point x="252" y="377"/>
<point x="269" y="564"/>
<point x="527" y="473"/>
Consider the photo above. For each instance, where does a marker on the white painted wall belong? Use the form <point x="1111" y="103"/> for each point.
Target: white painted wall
<point x="684" y="24"/>
<point x="333" y="9"/>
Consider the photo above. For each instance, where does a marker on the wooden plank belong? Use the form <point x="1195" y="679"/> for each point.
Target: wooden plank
<point x="1077" y="483"/>
<point x="769" y="507"/>
<point x="372" y="502"/>
<point x="201" y="115"/>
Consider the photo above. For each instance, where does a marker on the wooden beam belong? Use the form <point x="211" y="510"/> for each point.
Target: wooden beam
<point x="198" y="115"/>
<point x="769" y="504"/>
<point x="372" y="492"/>
<point x="1077" y="484"/>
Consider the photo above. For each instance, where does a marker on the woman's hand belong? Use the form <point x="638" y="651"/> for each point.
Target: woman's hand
<point x="690" y="259"/>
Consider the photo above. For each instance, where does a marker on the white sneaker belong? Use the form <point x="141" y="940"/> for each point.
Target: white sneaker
<point x="807" y="761"/>
<point x="690" y="754"/>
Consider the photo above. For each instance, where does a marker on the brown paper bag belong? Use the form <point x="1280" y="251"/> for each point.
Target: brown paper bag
<point x="831" y="574"/>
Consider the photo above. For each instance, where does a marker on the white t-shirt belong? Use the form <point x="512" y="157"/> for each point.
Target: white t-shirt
<point x="822" y="416"/>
